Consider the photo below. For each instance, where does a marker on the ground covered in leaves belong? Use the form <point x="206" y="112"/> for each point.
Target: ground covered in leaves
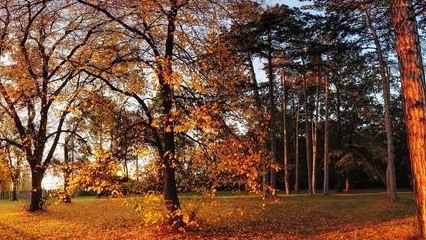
<point x="229" y="216"/>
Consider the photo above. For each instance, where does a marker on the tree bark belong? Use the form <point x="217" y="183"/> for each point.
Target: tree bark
<point x="314" y="133"/>
<point x="296" y="147"/>
<point x="308" y="137"/>
<point x="14" y="197"/>
<point x="413" y="89"/>
<point x="339" y="116"/>
<point x="272" y="125"/>
<point x="36" y="193"/>
<point x="326" y="186"/>
<point x="390" y="171"/>
<point x="347" y="185"/>
<point x="285" y="147"/>
<point x="66" y="172"/>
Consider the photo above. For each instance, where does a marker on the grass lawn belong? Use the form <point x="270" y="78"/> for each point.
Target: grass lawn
<point x="229" y="216"/>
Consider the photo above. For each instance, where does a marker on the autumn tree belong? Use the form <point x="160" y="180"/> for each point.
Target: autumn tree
<point x="158" y="55"/>
<point x="40" y="78"/>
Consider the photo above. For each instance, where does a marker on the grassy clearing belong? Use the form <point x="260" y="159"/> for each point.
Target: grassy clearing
<point x="229" y="216"/>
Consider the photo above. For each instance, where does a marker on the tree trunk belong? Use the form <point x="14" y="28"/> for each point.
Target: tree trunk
<point x="413" y="80"/>
<point x="126" y="167"/>
<point x="308" y="138"/>
<point x="14" y="198"/>
<point x="169" y="159"/>
<point x="326" y="186"/>
<point x="170" y="194"/>
<point x="169" y="181"/>
<point x="314" y="134"/>
<point x="390" y="171"/>
<point x="285" y="147"/>
<point x="296" y="147"/>
<point x="261" y="120"/>
<point x="66" y="172"/>
<point x="36" y="193"/>
<point x="347" y="185"/>
<point x="339" y="117"/>
<point x="272" y="126"/>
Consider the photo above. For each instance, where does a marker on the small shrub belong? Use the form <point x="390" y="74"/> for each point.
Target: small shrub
<point x="86" y="193"/>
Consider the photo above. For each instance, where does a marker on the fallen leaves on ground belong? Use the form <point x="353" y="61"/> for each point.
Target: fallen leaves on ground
<point x="301" y="217"/>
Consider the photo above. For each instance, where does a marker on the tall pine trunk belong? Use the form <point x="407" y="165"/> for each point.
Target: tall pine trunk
<point x="272" y="124"/>
<point x="296" y="146"/>
<point x="285" y="145"/>
<point x="326" y="186"/>
<point x="314" y="134"/>
<point x="308" y="137"/>
<point x="390" y="171"/>
<point x="339" y="116"/>
<point x="413" y="89"/>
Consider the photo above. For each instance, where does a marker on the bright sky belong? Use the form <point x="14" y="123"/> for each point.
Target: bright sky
<point x="293" y="3"/>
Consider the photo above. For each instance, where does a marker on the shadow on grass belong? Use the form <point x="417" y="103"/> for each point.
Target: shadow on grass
<point x="305" y="217"/>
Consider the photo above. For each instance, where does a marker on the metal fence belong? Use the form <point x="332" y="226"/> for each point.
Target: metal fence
<point x="25" y="194"/>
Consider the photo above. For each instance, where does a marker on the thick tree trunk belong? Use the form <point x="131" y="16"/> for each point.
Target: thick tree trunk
<point x="272" y="125"/>
<point x="169" y="181"/>
<point x="14" y="197"/>
<point x="308" y="138"/>
<point x="390" y="171"/>
<point x="36" y="193"/>
<point x="170" y="192"/>
<point x="413" y="80"/>
<point x="285" y="147"/>
<point x="326" y="186"/>
<point x="296" y="147"/>
<point x="169" y="161"/>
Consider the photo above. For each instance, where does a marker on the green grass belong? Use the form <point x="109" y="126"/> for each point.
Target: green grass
<point x="228" y="216"/>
